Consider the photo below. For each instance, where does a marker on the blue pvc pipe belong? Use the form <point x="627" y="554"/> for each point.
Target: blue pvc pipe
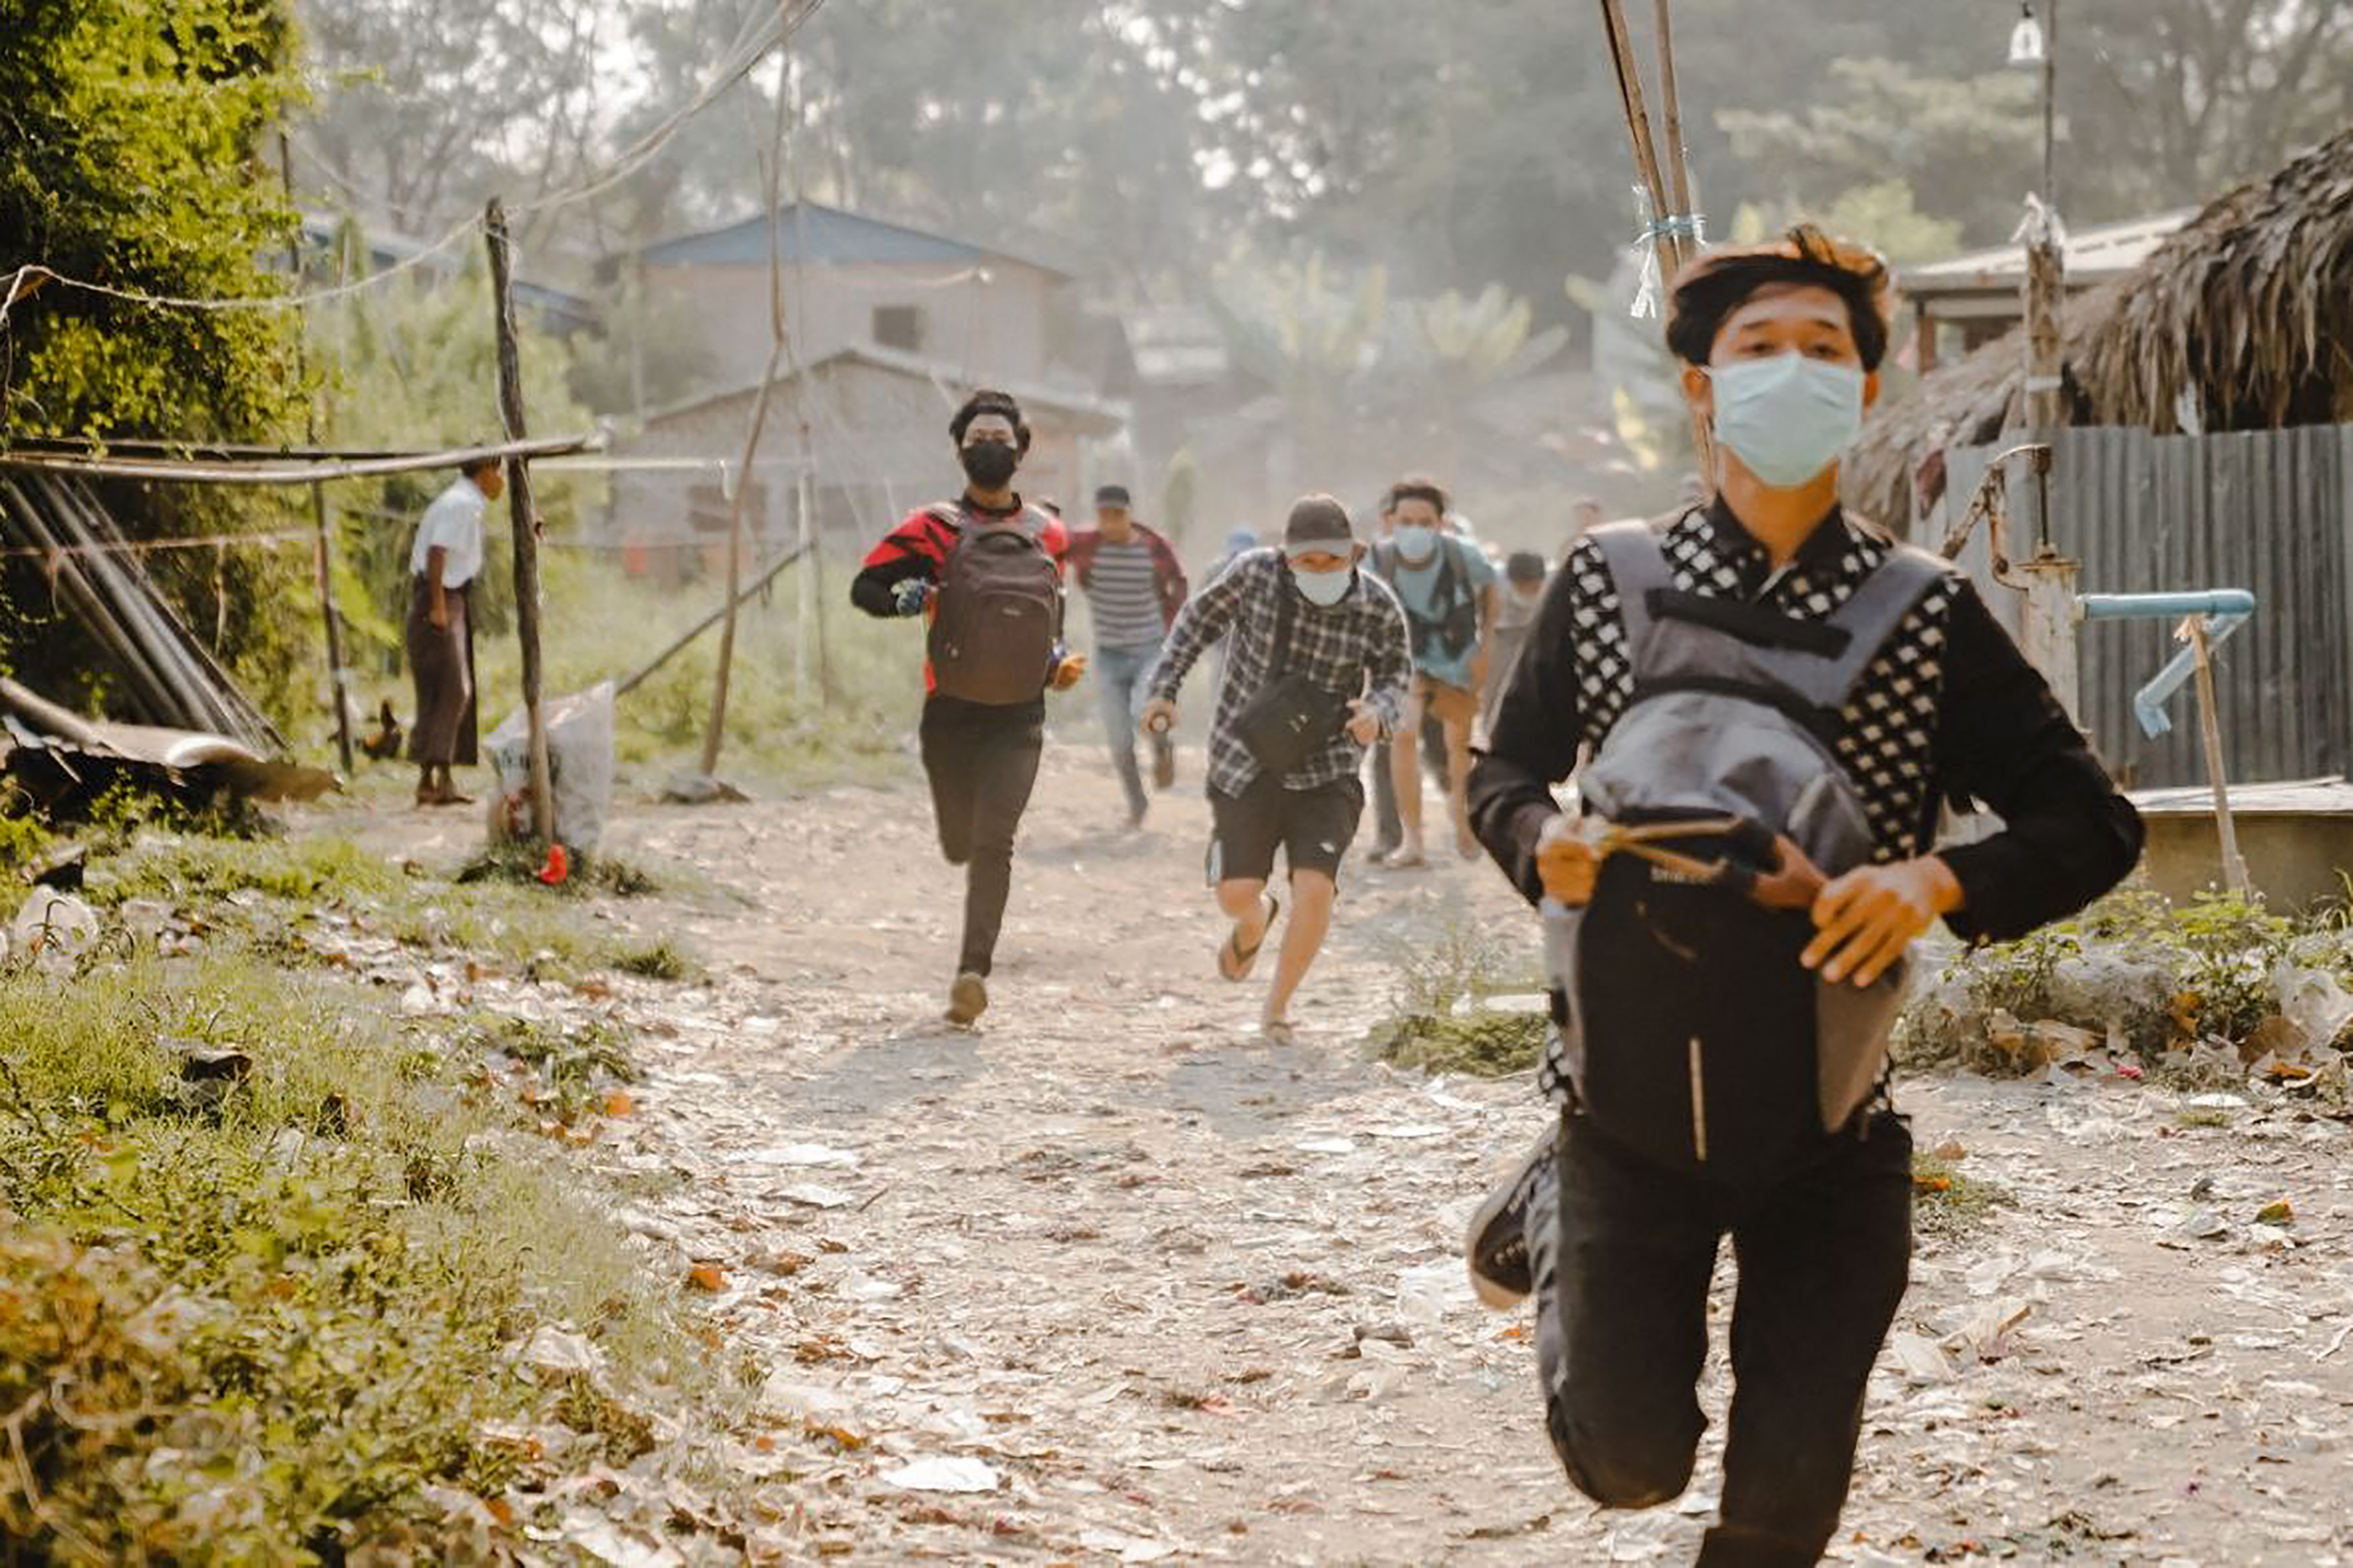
<point x="2166" y="606"/>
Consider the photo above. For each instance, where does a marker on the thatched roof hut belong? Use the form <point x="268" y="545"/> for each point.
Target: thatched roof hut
<point x="2242" y="321"/>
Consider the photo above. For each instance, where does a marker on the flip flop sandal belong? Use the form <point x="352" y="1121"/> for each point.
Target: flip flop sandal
<point x="1399" y="861"/>
<point x="1279" y="1032"/>
<point x="1235" y="964"/>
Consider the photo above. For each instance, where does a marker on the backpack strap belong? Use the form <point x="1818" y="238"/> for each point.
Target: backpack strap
<point x="1637" y="567"/>
<point x="1870" y="617"/>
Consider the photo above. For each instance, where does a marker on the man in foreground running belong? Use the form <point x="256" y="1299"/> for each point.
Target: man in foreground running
<point x="1718" y="1055"/>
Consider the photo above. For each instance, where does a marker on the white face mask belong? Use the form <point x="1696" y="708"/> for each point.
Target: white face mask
<point x="1414" y="540"/>
<point x="1327" y="588"/>
<point x="1789" y="416"/>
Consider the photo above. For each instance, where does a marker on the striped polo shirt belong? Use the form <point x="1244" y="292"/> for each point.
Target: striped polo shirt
<point x="1124" y="593"/>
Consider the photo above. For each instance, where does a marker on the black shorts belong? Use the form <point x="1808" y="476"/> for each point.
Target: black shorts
<point x="1311" y="826"/>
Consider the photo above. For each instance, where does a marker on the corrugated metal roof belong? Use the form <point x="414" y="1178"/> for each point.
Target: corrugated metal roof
<point x="1085" y="409"/>
<point x="2089" y="255"/>
<point x="820" y="236"/>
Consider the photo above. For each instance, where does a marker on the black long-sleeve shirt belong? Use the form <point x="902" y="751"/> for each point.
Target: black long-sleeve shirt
<point x="1949" y="709"/>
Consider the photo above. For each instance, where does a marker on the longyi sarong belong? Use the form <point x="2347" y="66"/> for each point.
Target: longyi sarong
<point x="441" y="662"/>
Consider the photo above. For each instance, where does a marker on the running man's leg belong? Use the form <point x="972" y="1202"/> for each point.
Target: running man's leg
<point x="945" y="735"/>
<point x="1388" y="832"/>
<point x="1823" y="1270"/>
<point x="1621" y="1255"/>
<point x="1119" y="674"/>
<point x="1312" y="894"/>
<point x="1460" y="712"/>
<point x="1318" y="825"/>
<point x="1004" y="771"/>
<point x="1405" y="772"/>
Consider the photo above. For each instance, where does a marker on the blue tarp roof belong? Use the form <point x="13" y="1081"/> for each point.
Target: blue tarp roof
<point x="822" y="236"/>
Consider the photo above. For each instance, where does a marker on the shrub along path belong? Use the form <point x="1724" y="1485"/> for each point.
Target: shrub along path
<point x="1110" y="1280"/>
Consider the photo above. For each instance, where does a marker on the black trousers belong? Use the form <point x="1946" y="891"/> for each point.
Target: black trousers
<point x="982" y="761"/>
<point x="1621" y="1272"/>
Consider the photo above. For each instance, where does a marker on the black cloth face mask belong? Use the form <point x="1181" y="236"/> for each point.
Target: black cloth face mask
<point x="990" y="464"/>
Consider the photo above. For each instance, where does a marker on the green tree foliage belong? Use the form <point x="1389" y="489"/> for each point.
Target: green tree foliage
<point x="126" y="157"/>
<point x="129" y="130"/>
<point x="1881" y="122"/>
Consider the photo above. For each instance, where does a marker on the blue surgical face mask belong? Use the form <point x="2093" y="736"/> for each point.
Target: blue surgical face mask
<point x="1789" y="417"/>
<point x="1414" y="540"/>
<point x="1327" y="588"/>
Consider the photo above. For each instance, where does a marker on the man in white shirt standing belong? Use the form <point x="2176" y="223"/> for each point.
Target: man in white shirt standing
<point x="442" y="566"/>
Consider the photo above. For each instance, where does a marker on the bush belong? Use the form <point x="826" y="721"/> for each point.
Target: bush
<point x="269" y="1261"/>
<point x="2153" y="976"/>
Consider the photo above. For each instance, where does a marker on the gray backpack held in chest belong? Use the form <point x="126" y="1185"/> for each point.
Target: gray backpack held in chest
<point x="1689" y="1031"/>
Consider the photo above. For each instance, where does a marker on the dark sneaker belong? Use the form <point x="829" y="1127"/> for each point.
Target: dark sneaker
<point x="1163" y="762"/>
<point x="1497" y="1245"/>
<point x="968" y="1000"/>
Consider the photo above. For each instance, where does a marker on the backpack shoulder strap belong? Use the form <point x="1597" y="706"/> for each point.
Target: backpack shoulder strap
<point x="946" y="512"/>
<point x="1872" y="615"/>
<point x="1637" y="566"/>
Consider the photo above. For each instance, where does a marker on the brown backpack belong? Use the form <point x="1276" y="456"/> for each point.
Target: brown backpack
<point x="998" y="614"/>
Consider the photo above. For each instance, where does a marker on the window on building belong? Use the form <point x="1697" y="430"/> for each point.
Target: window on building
<point x="900" y="326"/>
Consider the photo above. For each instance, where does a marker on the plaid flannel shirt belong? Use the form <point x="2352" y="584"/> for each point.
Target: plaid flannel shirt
<point x="1361" y="639"/>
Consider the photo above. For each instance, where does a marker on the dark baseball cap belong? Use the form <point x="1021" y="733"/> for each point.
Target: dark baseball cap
<point x="1111" y="495"/>
<point x="1317" y="519"/>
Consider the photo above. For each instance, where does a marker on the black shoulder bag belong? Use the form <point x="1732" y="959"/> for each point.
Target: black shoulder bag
<point x="1290" y="719"/>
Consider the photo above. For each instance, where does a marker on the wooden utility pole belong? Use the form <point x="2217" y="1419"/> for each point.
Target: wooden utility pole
<point x="2043" y="406"/>
<point x="322" y="549"/>
<point x="522" y="518"/>
<point x="715" y="730"/>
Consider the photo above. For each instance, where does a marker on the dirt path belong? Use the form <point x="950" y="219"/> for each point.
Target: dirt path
<point x="1163" y="1291"/>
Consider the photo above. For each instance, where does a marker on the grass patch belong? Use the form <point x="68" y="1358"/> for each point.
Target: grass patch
<point x="518" y="862"/>
<point x="269" y="1253"/>
<point x="1949" y="1204"/>
<point x="1440" y="1022"/>
<point x="265" y="890"/>
<point x="23" y="840"/>
<point x="657" y="960"/>
<point x="1481" y="1043"/>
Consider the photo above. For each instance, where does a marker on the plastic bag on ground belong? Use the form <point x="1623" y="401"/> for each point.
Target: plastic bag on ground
<point x="579" y="766"/>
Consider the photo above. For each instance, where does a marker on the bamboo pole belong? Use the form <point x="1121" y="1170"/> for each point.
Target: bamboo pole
<point x="1678" y="163"/>
<point x="2210" y="726"/>
<point x="1669" y="250"/>
<point x="325" y="557"/>
<point x="520" y="519"/>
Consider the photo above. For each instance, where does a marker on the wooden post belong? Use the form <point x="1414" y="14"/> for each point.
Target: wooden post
<point x="813" y="568"/>
<point x="322" y="549"/>
<point x="2210" y="724"/>
<point x="522" y="520"/>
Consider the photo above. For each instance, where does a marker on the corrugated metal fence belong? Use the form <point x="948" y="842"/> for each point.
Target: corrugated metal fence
<point x="2270" y="511"/>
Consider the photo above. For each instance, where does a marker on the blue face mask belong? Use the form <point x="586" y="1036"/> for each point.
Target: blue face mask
<point x="1414" y="540"/>
<point x="1789" y="416"/>
<point x="1326" y="588"/>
